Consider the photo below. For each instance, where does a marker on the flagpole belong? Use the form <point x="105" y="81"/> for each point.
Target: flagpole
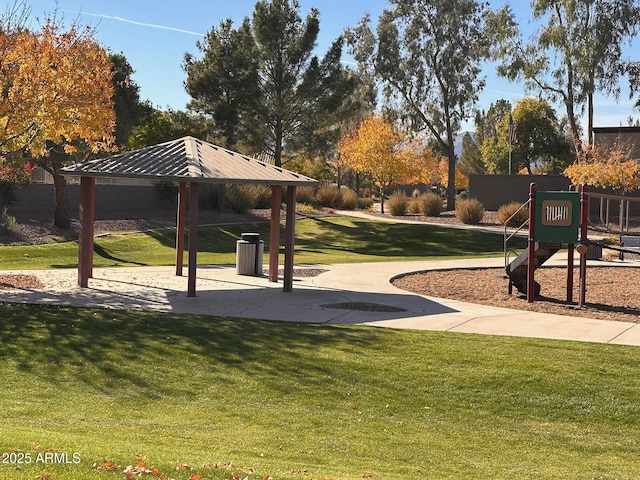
<point x="511" y="138"/>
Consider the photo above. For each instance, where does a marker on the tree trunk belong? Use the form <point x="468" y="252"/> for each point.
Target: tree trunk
<point x="590" y="115"/>
<point x="451" y="178"/>
<point x="381" y="199"/>
<point x="62" y="218"/>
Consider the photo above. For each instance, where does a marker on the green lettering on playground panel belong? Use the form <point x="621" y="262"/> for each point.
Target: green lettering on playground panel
<point x="557" y="217"/>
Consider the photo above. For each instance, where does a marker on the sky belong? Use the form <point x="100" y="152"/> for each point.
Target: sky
<point x="154" y="36"/>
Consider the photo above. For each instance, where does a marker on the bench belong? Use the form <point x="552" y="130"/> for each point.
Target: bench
<point x="629" y="242"/>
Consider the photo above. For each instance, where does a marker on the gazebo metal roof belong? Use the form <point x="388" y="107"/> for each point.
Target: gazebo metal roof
<point x="191" y="161"/>
<point x="188" y="159"/>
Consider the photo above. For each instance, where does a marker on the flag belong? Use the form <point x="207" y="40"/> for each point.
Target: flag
<point x="513" y="134"/>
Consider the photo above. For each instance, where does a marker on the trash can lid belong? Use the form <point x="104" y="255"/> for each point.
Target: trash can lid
<point x="250" y="237"/>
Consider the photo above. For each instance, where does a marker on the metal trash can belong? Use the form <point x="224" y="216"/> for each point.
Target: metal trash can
<point x="249" y="251"/>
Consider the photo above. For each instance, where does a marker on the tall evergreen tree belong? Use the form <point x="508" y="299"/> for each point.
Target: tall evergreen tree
<point x="224" y="83"/>
<point x="486" y="123"/>
<point x="264" y="80"/>
<point x="470" y="162"/>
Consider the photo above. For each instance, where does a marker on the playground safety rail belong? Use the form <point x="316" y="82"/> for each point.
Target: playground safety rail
<point x="514" y="233"/>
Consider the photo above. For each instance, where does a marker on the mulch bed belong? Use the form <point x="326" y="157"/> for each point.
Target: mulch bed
<point x="612" y="292"/>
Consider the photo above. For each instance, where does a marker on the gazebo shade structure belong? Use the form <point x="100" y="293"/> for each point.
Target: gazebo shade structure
<point x="189" y="161"/>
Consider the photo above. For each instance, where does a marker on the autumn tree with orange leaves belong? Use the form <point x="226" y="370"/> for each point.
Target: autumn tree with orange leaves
<point x="55" y="99"/>
<point x="377" y="149"/>
<point x="606" y="167"/>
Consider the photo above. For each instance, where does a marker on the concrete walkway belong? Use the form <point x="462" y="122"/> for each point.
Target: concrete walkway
<point x="327" y="298"/>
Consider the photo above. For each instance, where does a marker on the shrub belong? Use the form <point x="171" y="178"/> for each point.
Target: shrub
<point x="398" y="203"/>
<point x="242" y="198"/>
<point x="365" y="203"/>
<point x="413" y="206"/>
<point x="306" y="195"/>
<point x="8" y="223"/>
<point x="470" y="211"/>
<point x="329" y="196"/>
<point x="261" y="195"/>
<point x="505" y="212"/>
<point x="349" y="199"/>
<point x="430" y="204"/>
<point x="305" y="209"/>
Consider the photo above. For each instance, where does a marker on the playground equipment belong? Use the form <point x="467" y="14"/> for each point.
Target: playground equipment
<point x="555" y="219"/>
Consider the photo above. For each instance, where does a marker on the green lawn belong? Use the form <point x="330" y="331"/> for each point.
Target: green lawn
<point x="323" y="240"/>
<point x="301" y="401"/>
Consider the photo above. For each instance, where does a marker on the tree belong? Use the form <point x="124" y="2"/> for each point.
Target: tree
<point x="578" y="52"/>
<point x="263" y="79"/>
<point x="298" y="90"/>
<point x="129" y="110"/>
<point x="461" y="180"/>
<point x="540" y="139"/>
<point x="56" y="94"/>
<point x="633" y="70"/>
<point x="470" y="162"/>
<point x="163" y="126"/>
<point x="224" y="83"/>
<point x="606" y="167"/>
<point x="14" y="173"/>
<point x="487" y="122"/>
<point x="429" y="57"/>
<point x="375" y="148"/>
<point x="55" y="85"/>
<point x="541" y="142"/>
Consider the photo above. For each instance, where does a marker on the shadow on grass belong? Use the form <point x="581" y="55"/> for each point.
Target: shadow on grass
<point x="104" y="253"/>
<point x="130" y="351"/>
<point x="213" y="238"/>
<point x="394" y="239"/>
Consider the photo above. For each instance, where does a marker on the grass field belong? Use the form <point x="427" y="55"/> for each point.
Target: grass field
<point x="234" y="398"/>
<point x="322" y="240"/>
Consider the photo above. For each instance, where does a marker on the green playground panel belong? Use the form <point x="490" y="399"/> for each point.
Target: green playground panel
<point x="557" y="217"/>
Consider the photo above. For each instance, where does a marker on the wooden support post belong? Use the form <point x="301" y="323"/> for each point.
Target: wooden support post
<point x="584" y="217"/>
<point x="289" y="240"/>
<point x="531" y="260"/>
<point x="85" y="237"/>
<point x="570" y="254"/>
<point x="193" y="238"/>
<point x="180" y="222"/>
<point x="274" y="233"/>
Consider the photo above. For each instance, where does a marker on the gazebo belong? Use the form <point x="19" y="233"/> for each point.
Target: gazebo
<point x="189" y="162"/>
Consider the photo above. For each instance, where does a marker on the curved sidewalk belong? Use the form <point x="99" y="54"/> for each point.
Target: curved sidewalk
<point x="331" y="297"/>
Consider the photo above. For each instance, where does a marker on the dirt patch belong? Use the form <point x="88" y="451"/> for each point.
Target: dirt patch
<point x="612" y="292"/>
